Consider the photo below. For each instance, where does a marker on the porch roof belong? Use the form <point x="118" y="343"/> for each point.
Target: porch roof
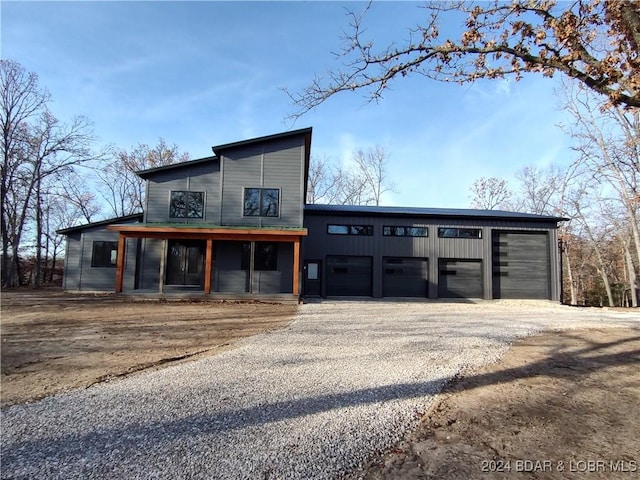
<point x="205" y="230"/>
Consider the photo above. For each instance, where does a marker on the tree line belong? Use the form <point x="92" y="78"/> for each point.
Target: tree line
<point x="593" y="43"/>
<point x="598" y="193"/>
<point x="53" y="175"/>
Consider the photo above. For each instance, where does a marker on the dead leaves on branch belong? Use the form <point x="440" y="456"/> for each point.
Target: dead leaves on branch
<point x="595" y="42"/>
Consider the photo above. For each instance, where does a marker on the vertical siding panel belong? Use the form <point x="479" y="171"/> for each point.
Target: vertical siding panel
<point x="319" y="244"/>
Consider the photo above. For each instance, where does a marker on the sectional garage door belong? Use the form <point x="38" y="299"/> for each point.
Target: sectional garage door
<point x="459" y="278"/>
<point x="404" y="277"/>
<point x="521" y="265"/>
<point x="348" y="276"/>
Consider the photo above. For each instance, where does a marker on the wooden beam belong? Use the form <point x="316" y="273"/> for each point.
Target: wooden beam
<point x="208" y="260"/>
<point x="143" y="230"/>
<point x="122" y="242"/>
<point x="296" y="266"/>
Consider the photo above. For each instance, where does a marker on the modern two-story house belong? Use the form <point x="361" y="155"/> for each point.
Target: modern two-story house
<point x="236" y="224"/>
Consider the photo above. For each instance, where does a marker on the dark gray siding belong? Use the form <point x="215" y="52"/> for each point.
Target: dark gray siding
<point x="278" y="164"/>
<point x="204" y="177"/>
<point x="73" y="253"/>
<point x="228" y="277"/>
<point x="319" y="244"/>
<point x="80" y="275"/>
<point x="152" y="251"/>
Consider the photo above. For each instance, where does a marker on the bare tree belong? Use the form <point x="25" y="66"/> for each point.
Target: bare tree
<point x="363" y="182"/>
<point x="122" y="189"/>
<point x="371" y="169"/>
<point x="325" y="184"/>
<point x="37" y="148"/>
<point x="21" y="100"/>
<point x="595" y="43"/>
<point x="490" y="193"/>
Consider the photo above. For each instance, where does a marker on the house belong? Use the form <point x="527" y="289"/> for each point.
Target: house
<point x="236" y="224"/>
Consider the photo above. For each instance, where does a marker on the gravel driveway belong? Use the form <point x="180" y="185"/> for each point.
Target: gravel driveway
<point x="309" y="401"/>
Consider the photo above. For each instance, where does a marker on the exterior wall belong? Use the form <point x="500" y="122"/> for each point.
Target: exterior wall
<point x="149" y="272"/>
<point x="276" y="164"/>
<point x="204" y="177"/>
<point x="318" y="244"/>
<point x="73" y="254"/>
<point x="228" y="277"/>
<point x="80" y="275"/>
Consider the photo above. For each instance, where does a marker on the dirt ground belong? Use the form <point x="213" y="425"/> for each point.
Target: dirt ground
<point x="558" y="405"/>
<point x="54" y="341"/>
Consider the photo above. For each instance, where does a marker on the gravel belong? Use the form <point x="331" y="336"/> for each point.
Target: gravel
<point x="314" y="400"/>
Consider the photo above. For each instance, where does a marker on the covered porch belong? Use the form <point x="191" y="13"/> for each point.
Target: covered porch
<point x="197" y="243"/>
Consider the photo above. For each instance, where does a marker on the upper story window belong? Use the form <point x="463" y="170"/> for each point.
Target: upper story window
<point x="350" y="229"/>
<point x="261" y="202"/>
<point x="104" y="254"/>
<point x="184" y="204"/>
<point x="459" y="233"/>
<point x="397" y="231"/>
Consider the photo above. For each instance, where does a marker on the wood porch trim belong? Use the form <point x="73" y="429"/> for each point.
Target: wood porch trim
<point x="296" y="266"/>
<point x="210" y="235"/>
<point x="208" y="266"/>
<point x="146" y="231"/>
<point x="122" y="247"/>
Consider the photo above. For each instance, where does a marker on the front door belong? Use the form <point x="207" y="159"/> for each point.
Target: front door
<point x="312" y="276"/>
<point x="185" y="262"/>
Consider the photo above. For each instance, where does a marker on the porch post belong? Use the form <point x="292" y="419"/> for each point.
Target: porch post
<point x="296" y="266"/>
<point x="162" y="265"/>
<point x="252" y="266"/>
<point x="122" y="242"/>
<point x="208" y="260"/>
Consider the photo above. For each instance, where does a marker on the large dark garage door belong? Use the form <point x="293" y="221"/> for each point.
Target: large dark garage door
<point x="348" y="276"/>
<point x="459" y="278"/>
<point x="404" y="277"/>
<point x="520" y="265"/>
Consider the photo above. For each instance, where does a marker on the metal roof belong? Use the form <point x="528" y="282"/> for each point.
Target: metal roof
<point x="188" y="163"/>
<point x="426" y="212"/>
<point x="226" y="146"/>
<point x="109" y="221"/>
<point x="268" y="138"/>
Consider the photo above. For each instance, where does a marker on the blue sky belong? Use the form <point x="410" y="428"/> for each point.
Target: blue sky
<point x="200" y="74"/>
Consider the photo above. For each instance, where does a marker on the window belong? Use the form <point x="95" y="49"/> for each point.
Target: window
<point x="104" y="254"/>
<point x="261" y="202"/>
<point x="396" y="231"/>
<point x="459" y="233"/>
<point x="185" y="204"/>
<point x="366" y="230"/>
<point x="265" y="257"/>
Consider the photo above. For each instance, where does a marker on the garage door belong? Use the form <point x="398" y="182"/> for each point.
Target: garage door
<point x="521" y="265"/>
<point x="404" y="277"/>
<point x="348" y="276"/>
<point x="459" y="278"/>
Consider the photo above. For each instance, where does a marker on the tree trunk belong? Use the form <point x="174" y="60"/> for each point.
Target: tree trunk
<point x="572" y="287"/>
<point x="633" y="280"/>
<point x="38" y="265"/>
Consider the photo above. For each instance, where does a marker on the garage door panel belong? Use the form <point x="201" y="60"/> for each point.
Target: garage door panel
<point x="404" y="277"/>
<point x="460" y="278"/>
<point x="348" y="276"/>
<point x="521" y="265"/>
